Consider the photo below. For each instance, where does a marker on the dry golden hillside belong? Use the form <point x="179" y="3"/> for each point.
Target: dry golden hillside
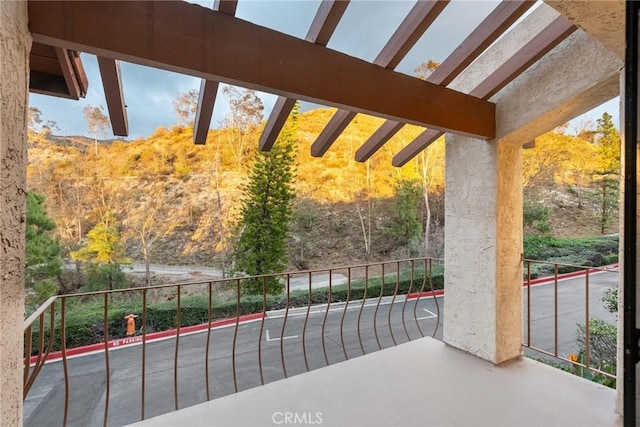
<point x="191" y="192"/>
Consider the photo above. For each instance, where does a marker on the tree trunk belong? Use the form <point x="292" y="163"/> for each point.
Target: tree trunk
<point x="427" y="222"/>
<point x="603" y="218"/>
<point x="147" y="267"/>
<point x="367" y="248"/>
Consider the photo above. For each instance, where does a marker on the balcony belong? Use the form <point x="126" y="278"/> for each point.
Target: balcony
<point x="316" y="356"/>
<point x="423" y="382"/>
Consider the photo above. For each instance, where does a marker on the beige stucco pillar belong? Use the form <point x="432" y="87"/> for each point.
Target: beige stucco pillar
<point x="483" y="245"/>
<point x="15" y="44"/>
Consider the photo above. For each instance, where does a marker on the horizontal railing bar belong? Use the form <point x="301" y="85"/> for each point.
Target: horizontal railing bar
<point x="230" y="279"/>
<point x="580" y="267"/>
<point x="32" y="318"/>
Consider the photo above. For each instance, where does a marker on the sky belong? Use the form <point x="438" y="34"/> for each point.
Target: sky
<point x="362" y="32"/>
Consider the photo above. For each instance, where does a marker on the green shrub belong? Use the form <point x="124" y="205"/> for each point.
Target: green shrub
<point x="602" y="343"/>
<point x="588" y="252"/>
<point x="610" y="300"/>
<point x="536" y="215"/>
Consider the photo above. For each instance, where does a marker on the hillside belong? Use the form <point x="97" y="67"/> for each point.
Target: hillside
<point x="190" y="193"/>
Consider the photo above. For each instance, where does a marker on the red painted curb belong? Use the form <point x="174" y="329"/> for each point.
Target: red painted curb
<point x="150" y="337"/>
<point x="435" y="293"/>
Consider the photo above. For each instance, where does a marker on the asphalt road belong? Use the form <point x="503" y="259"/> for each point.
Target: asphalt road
<point x="88" y="384"/>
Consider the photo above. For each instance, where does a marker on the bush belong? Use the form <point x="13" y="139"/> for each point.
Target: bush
<point x="536" y="215"/>
<point x="602" y="343"/>
<point x="610" y="300"/>
<point x="588" y="252"/>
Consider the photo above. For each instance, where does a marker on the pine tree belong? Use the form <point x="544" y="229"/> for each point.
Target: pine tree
<point x="43" y="252"/>
<point x="607" y="175"/>
<point x="266" y="211"/>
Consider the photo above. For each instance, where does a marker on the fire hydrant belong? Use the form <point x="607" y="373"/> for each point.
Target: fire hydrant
<point x="131" y="324"/>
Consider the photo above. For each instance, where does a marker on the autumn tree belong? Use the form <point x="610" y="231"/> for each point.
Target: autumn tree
<point x="37" y="128"/>
<point x="265" y="213"/>
<point x="103" y="255"/>
<point x="244" y="117"/>
<point x="185" y="106"/>
<point x="97" y="123"/>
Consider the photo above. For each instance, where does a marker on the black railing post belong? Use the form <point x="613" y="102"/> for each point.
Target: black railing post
<point x="630" y="333"/>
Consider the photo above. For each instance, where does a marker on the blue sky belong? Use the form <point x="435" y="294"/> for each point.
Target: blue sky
<point x="362" y="32"/>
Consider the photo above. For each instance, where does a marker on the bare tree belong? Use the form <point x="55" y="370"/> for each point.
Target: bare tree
<point x="97" y="123"/>
<point x="185" y="105"/>
<point x="244" y="118"/>
<point x="423" y="71"/>
<point x="147" y="222"/>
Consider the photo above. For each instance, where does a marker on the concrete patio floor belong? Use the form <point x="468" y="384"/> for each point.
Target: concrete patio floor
<point x="423" y="382"/>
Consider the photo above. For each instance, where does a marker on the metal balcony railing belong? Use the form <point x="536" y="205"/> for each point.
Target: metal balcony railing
<point x="116" y="357"/>
<point x="558" y="313"/>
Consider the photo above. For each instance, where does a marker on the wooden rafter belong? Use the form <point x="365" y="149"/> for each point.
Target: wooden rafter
<point x="56" y="72"/>
<point x="68" y="73"/>
<point x="322" y="28"/>
<point x="492" y="27"/>
<point x="189" y="39"/>
<point x="536" y="48"/>
<point x="378" y="139"/>
<point x="410" y="30"/>
<point x="209" y="88"/>
<point x="112" y="83"/>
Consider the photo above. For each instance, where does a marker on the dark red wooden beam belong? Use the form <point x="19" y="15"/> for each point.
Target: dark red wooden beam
<point x="209" y="88"/>
<point x="322" y="28"/>
<point x="189" y="39"/>
<point x="410" y="30"/>
<point x="492" y="27"/>
<point x="536" y="48"/>
<point x="112" y="83"/>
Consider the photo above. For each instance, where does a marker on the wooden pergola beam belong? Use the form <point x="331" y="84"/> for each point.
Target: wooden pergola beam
<point x="324" y="24"/>
<point x="536" y="48"/>
<point x="209" y="88"/>
<point x="380" y="137"/>
<point x="114" y="95"/>
<point x="48" y="84"/>
<point x="68" y="73"/>
<point x="190" y="39"/>
<point x="406" y="35"/>
<point x="494" y="25"/>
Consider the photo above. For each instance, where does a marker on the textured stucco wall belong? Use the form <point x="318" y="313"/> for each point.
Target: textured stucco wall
<point x="483" y="243"/>
<point x="576" y="76"/>
<point x="15" y="43"/>
<point x="504" y="48"/>
<point x="603" y="20"/>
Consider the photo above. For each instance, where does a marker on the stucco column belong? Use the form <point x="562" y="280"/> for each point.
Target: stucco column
<point x="483" y="246"/>
<point x="15" y="44"/>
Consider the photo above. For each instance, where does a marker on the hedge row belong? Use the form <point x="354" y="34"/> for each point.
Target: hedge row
<point x="586" y="252"/>
<point x="85" y="321"/>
